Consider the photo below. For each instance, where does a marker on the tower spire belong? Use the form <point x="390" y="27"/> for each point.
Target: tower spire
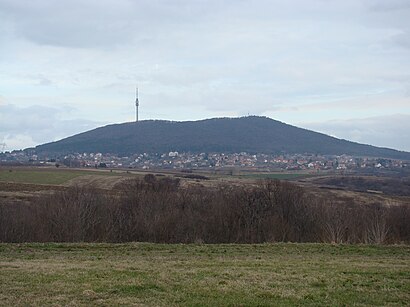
<point x="137" y="104"/>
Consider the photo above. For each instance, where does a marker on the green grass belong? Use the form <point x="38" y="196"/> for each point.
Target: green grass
<point x="46" y="176"/>
<point x="39" y="176"/>
<point x="204" y="275"/>
<point x="62" y="175"/>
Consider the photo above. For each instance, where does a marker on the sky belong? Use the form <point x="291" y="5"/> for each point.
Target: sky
<point x="340" y="67"/>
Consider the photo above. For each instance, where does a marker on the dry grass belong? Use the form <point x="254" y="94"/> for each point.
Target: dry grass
<point x="211" y="275"/>
<point x="102" y="182"/>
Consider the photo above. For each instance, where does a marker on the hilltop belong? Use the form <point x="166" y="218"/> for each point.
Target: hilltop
<point x="252" y="134"/>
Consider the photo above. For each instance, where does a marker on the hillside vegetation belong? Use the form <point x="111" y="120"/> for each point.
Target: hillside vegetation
<point x="247" y="134"/>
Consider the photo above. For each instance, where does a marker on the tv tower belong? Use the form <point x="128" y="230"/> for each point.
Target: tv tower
<point x="137" y="104"/>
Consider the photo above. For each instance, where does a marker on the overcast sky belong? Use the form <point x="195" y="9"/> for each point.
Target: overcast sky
<point x="340" y="67"/>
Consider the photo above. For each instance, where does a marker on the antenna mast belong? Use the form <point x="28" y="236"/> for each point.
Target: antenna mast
<point x="137" y="104"/>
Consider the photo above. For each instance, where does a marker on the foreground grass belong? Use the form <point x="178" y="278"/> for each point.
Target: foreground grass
<point x="206" y="275"/>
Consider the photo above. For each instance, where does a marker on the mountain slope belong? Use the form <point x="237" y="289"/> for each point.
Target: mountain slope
<point x="250" y="134"/>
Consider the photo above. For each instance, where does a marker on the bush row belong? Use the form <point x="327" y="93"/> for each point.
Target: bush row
<point x="159" y="210"/>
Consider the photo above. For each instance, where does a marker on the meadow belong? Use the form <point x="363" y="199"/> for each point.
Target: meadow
<point x="60" y="176"/>
<point x="40" y="176"/>
<point x="147" y="274"/>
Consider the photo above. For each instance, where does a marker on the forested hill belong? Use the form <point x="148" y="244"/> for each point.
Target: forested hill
<point x="251" y="134"/>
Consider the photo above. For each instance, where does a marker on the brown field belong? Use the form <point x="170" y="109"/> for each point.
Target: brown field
<point x="24" y="183"/>
<point x="359" y="189"/>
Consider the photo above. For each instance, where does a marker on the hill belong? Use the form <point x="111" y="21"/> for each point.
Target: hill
<point x="251" y="134"/>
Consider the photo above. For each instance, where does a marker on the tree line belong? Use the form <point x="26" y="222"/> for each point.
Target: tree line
<point x="159" y="210"/>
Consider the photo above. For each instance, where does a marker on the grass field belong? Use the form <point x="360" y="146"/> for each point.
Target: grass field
<point x="280" y="176"/>
<point x="62" y="175"/>
<point x="39" y="176"/>
<point x="46" y="176"/>
<point x="204" y="275"/>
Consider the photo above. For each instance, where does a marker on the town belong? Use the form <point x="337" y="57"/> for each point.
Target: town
<point x="195" y="161"/>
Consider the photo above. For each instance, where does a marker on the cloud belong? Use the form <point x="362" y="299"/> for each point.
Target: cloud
<point x="402" y="39"/>
<point x="391" y="131"/>
<point x="296" y="61"/>
<point x="25" y="127"/>
<point x="102" y="24"/>
<point x="388" y="6"/>
<point x="75" y="24"/>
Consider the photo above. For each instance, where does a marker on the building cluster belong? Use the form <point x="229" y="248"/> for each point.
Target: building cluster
<point x="177" y="160"/>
